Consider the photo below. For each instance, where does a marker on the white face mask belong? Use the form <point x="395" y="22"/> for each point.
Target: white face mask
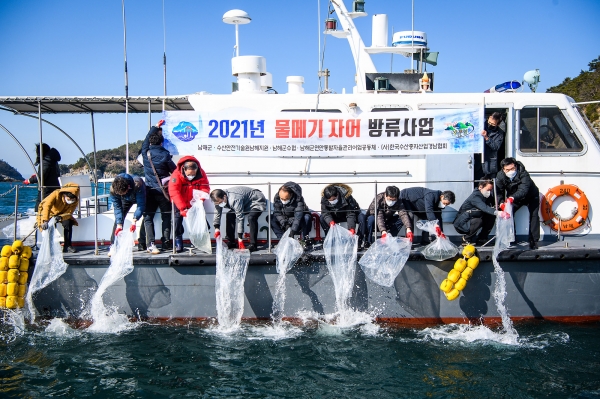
<point x="222" y="204"/>
<point x="190" y="178"/>
<point x="390" y="202"/>
<point x="285" y="202"/>
<point x="511" y="174"/>
<point x="69" y="201"/>
<point x="486" y="193"/>
<point x="441" y="205"/>
<point x="335" y="201"/>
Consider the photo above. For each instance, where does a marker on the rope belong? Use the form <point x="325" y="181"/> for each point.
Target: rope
<point x="8" y="192"/>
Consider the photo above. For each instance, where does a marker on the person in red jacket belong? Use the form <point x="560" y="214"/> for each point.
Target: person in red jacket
<point x="188" y="176"/>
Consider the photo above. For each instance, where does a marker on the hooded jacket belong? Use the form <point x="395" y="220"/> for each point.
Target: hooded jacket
<point x="385" y="212"/>
<point x="50" y="171"/>
<point x="424" y="200"/>
<point x="241" y="200"/>
<point x="290" y="214"/>
<point x="181" y="189"/>
<point x="521" y="187"/>
<point x="161" y="158"/>
<point x="473" y="207"/>
<point x="346" y="207"/>
<point x="135" y="195"/>
<point x="490" y="149"/>
<point x="55" y="205"/>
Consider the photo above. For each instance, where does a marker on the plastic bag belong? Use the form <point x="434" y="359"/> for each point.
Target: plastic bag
<point x="288" y="251"/>
<point x="505" y="229"/>
<point x="441" y="248"/>
<point x="340" y="248"/>
<point x="385" y="259"/>
<point x="49" y="265"/>
<point x="229" y="285"/>
<point x="195" y="223"/>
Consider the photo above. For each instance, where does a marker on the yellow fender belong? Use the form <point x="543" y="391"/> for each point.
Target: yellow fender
<point x="6" y="251"/>
<point x="473" y="262"/>
<point x="13" y="276"/>
<point x="446" y="285"/>
<point x="27" y="253"/>
<point x="468" y="251"/>
<point x="460" y="265"/>
<point x="3" y="290"/>
<point x="460" y="284"/>
<point x="23" y="278"/>
<point x="3" y="263"/>
<point x="452" y="295"/>
<point x="12" y="302"/>
<point x="22" y="289"/>
<point x="3" y="277"/>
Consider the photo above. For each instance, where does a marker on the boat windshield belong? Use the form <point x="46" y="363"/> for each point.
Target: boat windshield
<point x="594" y="131"/>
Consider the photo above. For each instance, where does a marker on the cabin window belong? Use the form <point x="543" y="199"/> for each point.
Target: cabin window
<point x="546" y="130"/>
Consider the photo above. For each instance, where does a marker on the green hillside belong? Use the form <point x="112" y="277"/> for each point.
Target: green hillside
<point x="111" y="162"/>
<point x="8" y="173"/>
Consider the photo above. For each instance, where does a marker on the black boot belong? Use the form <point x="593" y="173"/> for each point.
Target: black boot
<point x="166" y="244"/>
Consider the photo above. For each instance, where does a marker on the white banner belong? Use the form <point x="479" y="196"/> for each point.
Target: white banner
<point x="241" y="132"/>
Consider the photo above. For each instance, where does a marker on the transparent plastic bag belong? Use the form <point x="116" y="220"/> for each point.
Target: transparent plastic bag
<point x="340" y="248"/>
<point x="232" y="266"/>
<point x="288" y="251"/>
<point x="441" y="248"/>
<point x="385" y="259"/>
<point x="49" y="265"/>
<point x="195" y="223"/>
<point x="505" y="229"/>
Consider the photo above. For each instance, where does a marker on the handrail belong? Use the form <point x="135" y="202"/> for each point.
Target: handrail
<point x="562" y="172"/>
<point x="303" y="173"/>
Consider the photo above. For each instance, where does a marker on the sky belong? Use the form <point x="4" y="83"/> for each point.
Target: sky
<point x="75" y="48"/>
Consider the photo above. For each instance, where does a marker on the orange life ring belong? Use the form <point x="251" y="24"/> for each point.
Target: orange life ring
<point x="577" y="219"/>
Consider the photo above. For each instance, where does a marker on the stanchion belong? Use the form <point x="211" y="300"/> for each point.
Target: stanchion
<point x="16" y="211"/>
<point x="375" y="216"/>
<point x="269" y="217"/>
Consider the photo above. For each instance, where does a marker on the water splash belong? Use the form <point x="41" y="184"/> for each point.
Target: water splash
<point x="229" y="286"/>
<point x="288" y="251"/>
<point x="58" y="327"/>
<point x="12" y="326"/>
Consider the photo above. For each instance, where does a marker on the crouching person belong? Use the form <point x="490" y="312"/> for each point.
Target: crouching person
<point x="125" y="191"/>
<point x="337" y="206"/>
<point x="241" y="201"/>
<point x="477" y="213"/>
<point x="60" y="204"/>
<point x="290" y="212"/>
<point x="391" y="216"/>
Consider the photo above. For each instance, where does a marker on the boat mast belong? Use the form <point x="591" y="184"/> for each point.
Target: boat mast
<point x="126" y="90"/>
<point x="164" y="57"/>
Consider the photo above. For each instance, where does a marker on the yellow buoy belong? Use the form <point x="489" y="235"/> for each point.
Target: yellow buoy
<point x="23" y="289"/>
<point x="2" y="302"/>
<point x="3" y="276"/>
<point x="17" y="247"/>
<point x="467" y="273"/>
<point x="3" y="263"/>
<point x="473" y="262"/>
<point x="468" y="251"/>
<point x="23" y="278"/>
<point x="13" y="276"/>
<point x="24" y="265"/>
<point x="26" y="253"/>
<point x="452" y="295"/>
<point x="14" y="262"/>
<point x="460" y="265"/>
<point x="453" y="275"/>
<point x="21" y="301"/>
<point x="11" y="302"/>
<point x="12" y="289"/>
<point x="2" y="289"/>
<point x="446" y="285"/>
<point x="460" y="284"/>
<point x="6" y="251"/>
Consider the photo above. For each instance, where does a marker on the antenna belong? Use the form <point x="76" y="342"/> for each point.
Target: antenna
<point x="164" y="57"/>
<point x="236" y="17"/>
<point x="126" y="90"/>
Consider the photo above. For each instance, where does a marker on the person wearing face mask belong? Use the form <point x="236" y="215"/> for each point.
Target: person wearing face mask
<point x="391" y="216"/>
<point x="493" y="137"/>
<point x="186" y="178"/>
<point x="241" y="202"/>
<point x="125" y="191"/>
<point x="427" y="205"/>
<point x="337" y="206"/>
<point x="291" y="212"/>
<point x="60" y="204"/>
<point x="477" y="212"/>
<point x="158" y="166"/>
<point x="514" y="185"/>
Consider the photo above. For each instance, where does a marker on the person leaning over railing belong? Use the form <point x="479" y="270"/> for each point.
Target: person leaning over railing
<point x="427" y="204"/>
<point x="291" y="212"/>
<point x="125" y="191"/>
<point x="337" y="206"/>
<point x="60" y="204"/>
<point x="186" y="178"/>
<point x="50" y="170"/>
<point x="391" y="216"/>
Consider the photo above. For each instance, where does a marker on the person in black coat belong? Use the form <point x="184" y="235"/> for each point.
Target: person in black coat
<point x="391" y="216"/>
<point x="290" y="212"/>
<point x="337" y="206"/>
<point x="477" y="213"/>
<point x="50" y="171"/>
<point x="493" y="137"/>
<point x="163" y="164"/>
<point x="427" y="204"/>
<point x="514" y="184"/>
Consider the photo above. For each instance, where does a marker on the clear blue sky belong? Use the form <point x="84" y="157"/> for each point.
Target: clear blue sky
<point x="75" y="48"/>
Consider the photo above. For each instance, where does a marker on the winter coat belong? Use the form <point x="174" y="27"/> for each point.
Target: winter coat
<point x="55" y="205"/>
<point x="241" y="200"/>
<point x="50" y="171"/>
<point x="181" y="189"/>
<point x="290" y="214"/>
<point x="490" y="150"/>
<point x="385" y="212"/>
<point x="473" y="207"/>
<point x="424" y="200"/>
<point x="521" y="187"/>
<point x="161" y="158"/>
<point x="346" y="206"/>
<point x="135" y="195"/>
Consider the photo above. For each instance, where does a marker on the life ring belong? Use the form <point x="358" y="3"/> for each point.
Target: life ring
<point x="579" y="215"/>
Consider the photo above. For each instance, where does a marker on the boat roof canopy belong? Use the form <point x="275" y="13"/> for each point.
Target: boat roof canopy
<point x="76" y="105"/>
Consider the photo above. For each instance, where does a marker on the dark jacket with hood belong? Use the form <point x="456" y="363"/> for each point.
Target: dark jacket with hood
<point x="161" y="158"/>
<point x="521" y="187"/>
<point x="50" y="170"/>
<point x="423" y="200"/>
<point x="346" y="207"/>
<point x="475" y="206"/>
<point x="385" y="212"/>
<point x="135" y="195"/>
<point x="290" y="214"/>
<point x="181" y="189"/>
<point x="490" y="150"/>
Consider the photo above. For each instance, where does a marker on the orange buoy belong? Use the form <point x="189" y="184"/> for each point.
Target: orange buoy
<point x="577" y="220"/>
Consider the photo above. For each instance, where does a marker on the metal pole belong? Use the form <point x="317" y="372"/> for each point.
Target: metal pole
<point x="495" y="193"/>
<point x="149" y="113"/>
<point x="172" y="226"/>
<point x="269" y="217"/>
<point x="126" y="90"/>
<point x="237" y="41"/>
<point x="16" y="211"/>
<point x="375" y="230"/>
<point x="41" y="176"/>
<point x="22" y="149"/>
<point x="95" y="188"/>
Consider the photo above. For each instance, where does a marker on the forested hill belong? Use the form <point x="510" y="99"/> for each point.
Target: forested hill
<point x="8" y="173"/>
<point x="109" y="162"/>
